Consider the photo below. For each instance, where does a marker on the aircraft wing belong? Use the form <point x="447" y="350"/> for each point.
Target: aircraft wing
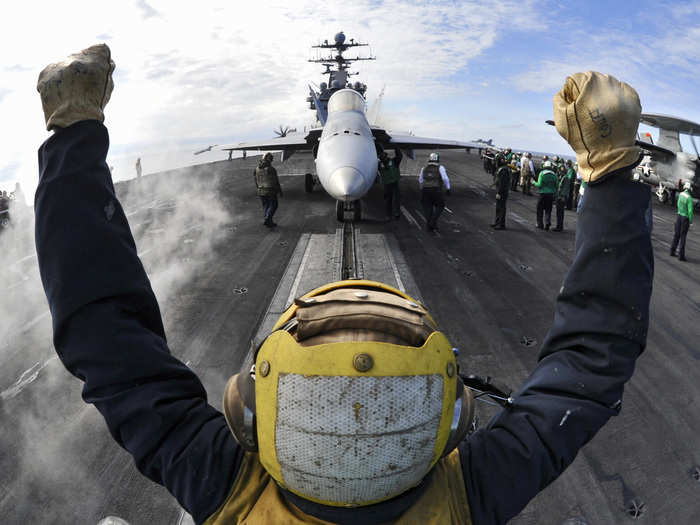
<point x="410" y="142"/>
<point x="654" y="150"/>
<point x="290" y="142"/>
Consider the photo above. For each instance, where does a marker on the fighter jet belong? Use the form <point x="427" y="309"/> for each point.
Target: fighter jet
<point x="344" y="144"/>
<point x="668" y="167"/>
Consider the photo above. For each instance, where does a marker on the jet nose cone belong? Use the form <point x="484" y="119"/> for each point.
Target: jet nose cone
<point x="346" y="184"/>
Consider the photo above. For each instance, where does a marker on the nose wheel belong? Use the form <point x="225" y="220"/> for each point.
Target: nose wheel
<point x="309" y="182"/>
<point x="354" y="207"/>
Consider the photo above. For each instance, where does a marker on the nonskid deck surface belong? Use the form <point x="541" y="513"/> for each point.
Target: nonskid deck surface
<point x="222" y="278"/>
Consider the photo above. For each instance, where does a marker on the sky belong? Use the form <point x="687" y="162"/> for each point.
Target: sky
<point x="192" y="74"/>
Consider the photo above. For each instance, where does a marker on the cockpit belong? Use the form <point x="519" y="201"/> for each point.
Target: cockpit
<point x="346" y="100"/>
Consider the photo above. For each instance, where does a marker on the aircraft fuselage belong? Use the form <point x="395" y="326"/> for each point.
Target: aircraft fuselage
<point x="346" y="162"/>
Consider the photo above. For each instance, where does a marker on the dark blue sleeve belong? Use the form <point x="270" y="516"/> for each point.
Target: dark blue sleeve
<point x="599" y="330"/>
<point x="108" y="330"/>
<point x="398" y="156"/>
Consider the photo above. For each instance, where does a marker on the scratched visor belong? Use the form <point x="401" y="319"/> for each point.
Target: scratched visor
<point x="343" y="437"/>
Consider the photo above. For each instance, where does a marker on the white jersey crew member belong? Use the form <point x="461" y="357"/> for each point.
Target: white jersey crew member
<point x="434" y="183"/>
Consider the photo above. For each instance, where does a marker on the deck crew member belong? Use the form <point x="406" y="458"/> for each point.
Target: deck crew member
<point x="547" y="185"/>
<point x="268" y="186"/>
<point x="508" y="154"/>
<point x="357" y="344"/>
<point x="683" y="221"/>
<point x="434" y="183"/>
<point x="390" y="174"/>
<point x="502" y="183"/>
<point x="527" y="172"/>
<point x="562" y="194"/>
<point x="571" y="174"/>
<point x="514" y="173"/>
<point x="488" y="160"/>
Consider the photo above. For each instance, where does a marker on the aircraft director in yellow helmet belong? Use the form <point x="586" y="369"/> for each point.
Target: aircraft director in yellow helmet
<point x="355" y="411"/>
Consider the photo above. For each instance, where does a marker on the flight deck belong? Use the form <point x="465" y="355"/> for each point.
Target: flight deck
<point x="222" y="279"/>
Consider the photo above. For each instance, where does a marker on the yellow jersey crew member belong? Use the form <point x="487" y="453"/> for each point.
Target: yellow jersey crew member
<point x="355" y="411"/>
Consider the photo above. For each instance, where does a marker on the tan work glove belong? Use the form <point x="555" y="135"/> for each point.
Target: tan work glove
<point x="77" y="88"/>
<point x="598" y="116"/>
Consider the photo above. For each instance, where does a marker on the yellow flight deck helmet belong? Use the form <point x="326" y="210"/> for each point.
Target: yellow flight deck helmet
<point x="353" y="397"/>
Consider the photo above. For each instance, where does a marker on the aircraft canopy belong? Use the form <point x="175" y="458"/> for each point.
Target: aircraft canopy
<point x="346" y="100"/>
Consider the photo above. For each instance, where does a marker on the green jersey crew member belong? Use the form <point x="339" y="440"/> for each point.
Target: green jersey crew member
<point x="683" y="222"/>
<point x="320" y="369"/>
<point x="571" y="174"/>
<point x="434" y="183"/>
<point x="547" y="186"/>
<point x="562" y="195"/>
<point x="268" y="187"/>
<point x="390" y="174"/>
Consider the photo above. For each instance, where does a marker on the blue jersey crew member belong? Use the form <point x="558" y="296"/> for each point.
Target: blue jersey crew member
<point x="108" y="333"/>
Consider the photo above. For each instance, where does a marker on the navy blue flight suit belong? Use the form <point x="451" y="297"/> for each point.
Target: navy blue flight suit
<point x="108" y="333"/>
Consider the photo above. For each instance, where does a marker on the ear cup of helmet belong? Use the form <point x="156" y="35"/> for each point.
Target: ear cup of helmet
<point x="239" y="410"/>
<point x="462" y="419"/>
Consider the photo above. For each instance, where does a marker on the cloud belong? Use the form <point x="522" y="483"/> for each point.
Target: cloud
<point x="229" y="72"/>
<point x="662" y="62"/>
<point x="146" y="10"/>
<point x="16" y="68"/>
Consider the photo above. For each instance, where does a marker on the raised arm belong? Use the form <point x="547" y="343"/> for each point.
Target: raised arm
<point x="538" y="182"/>
<point x="398" y="156"/>
<point x="599" y="330"/>
<point x="107" y="326"/>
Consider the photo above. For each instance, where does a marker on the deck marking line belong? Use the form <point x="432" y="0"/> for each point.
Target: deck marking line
<point x="392" y="262"/>
<point x="409" y="217"/>
<point x="300" y="271"/>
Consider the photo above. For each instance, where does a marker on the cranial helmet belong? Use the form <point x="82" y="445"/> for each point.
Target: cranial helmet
<point x="687" y="185"/>
<point x="547" y="164"/>
<point x="353" y="397"/>
<point x="268" y="156"/>
<point x="434" y="157"/>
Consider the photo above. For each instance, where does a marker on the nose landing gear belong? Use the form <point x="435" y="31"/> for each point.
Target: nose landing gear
<point x="354" y="207"/>
<point x="309" y="182"/>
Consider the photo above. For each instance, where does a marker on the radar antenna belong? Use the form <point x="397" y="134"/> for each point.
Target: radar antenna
<point x="337" y="68"/>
